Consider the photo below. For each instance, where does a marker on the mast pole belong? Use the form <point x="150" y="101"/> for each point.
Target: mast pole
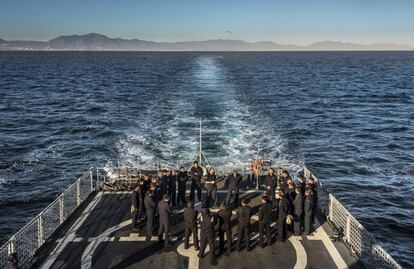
<point x="200" y="145"/>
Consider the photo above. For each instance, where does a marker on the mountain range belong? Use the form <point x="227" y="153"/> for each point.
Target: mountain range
<point x="98" y="42"/>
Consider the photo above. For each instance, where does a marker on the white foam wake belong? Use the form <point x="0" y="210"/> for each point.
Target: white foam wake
<point x="167" y="132"/>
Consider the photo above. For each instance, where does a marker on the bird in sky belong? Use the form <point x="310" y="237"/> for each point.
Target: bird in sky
<point x="229" y="32"/>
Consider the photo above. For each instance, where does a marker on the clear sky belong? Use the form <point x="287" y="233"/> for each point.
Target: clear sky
<point x="288" y="21"/>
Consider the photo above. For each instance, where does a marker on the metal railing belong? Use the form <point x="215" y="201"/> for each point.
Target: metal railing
<point x="125" y="172"/>
<point x="34" y="234"/>
<point x="359" y="240"/>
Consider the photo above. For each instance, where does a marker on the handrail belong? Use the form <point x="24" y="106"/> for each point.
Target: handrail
<point x="359" y="240"/>
<point x="25" y="242"/>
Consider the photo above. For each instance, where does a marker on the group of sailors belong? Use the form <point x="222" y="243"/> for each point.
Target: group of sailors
<point x="291" y="204"/>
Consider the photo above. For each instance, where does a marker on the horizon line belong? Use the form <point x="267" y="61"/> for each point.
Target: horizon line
<point x="215" y="39"/>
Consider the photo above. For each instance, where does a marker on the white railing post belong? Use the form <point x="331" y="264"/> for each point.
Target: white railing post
<point x="91" y="178"/>
<point x="40" y="230"/>
<point x="10" y="247"/>
<point x="61" y="205"/>
<point x="348" y="228"/>
<point x="330" y="209"/>
<point x="78" y="198"/>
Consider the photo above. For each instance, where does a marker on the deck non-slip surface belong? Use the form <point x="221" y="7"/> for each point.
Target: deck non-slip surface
<point x="101" y="238"/>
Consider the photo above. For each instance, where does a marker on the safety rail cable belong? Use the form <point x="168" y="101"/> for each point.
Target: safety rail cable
<point x="34" y="234"/>
<point x="126" y="172"/>
<point x="361" y="242"/>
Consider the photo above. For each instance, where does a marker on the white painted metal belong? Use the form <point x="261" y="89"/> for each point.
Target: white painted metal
<point x="359" y="239"/>
<point x="33" y="235"/>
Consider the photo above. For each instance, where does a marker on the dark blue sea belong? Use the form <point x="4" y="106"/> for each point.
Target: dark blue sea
<point x="347" y="115"/>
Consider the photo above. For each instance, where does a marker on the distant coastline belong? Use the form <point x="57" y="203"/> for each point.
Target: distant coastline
<point x="99" y="42"/>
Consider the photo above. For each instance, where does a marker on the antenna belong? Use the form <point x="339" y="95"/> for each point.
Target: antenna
<point x="200" y="150"/>
<point x="200" y="154"/>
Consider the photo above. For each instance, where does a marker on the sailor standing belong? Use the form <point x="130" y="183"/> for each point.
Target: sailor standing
<point x="172" y="187"/>
<point x="207" y="234"/>
<point x="270" y="183"/>
<point x="243" y="229"/>
<point x="211" y="187"/>
<point x="224" y="217"/>
<point x="196" y="173"/>
<point x="190" y="225"/>
<point x="182" y="178"/>
<point x="308" y="208"/>
<point x="136" y="205"/>
<point x="164" y="212"/>
<point x="150" y="208"/>
<point x="265" y="212"/>
<point x="233" y="180"/>
<point x="283" y="211"/>
<point x="298" y="212"/>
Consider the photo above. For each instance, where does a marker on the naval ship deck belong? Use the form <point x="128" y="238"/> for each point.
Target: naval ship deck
<point x="101" y="237"/>
<point x="97" y="234"/>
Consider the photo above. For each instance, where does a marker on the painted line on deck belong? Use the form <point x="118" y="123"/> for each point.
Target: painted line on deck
<point x="87" y="255"/>
<point x="320" y="234"/>
<point x="301" y="256"/>
<point x="70" y="235"/>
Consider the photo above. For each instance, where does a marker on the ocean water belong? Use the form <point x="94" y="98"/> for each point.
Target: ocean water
<point x="347" y="115"/>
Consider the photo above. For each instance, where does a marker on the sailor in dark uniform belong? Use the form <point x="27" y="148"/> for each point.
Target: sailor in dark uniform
<point x="233" y="181"/>
<point x="182" y="178"/>
<point x="172" y="187"/>
<point x="265" y="212"/>
<point x="164" y="213"/>
<point x="270" y="183"/>
<point x="298" y="212"/>
<point x="150" y="208"/>
<point x="190" y="225"/>
<point x="207" y="235"/>
<point x="312" y="186"/>
<point x="163" y="182"/>
<point x="243" y="229"/>
<point x="136" y="206"/>
<point x="211" y="187"/>
<point x="290" y="196"/>
<point x="283" y="211"/>
<point x="145" y="184"/>
<point x="283" y="182"/>
<point x="302" y="184"/>
<point x="224" y="217"/>
<point x="308" y="208"/>
<point x="196" y="173"/>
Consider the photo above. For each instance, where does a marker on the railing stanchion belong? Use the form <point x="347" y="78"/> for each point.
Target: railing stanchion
<point x="348" y="228"/>
<point x="61" y="210"/>
<point x="40" y="231"/>
<point x="11" y="246"/>
<point x="78" y="197"/>
<point x="91" y="178"/>
<point x="330" y="209"/>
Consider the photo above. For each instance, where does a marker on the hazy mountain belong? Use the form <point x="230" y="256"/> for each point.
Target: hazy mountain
<point x="98" y="42"/>
<point x="335" y="45"/>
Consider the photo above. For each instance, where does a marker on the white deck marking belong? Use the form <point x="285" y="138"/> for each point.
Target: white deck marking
<point x="301" y="257"/>
<point x="320" y="234"/>
<point x="191" y="253"/>
<point x="70" y="235"/>
<point x="86" y="260"/>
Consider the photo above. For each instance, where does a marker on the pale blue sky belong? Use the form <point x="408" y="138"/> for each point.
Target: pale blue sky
<point x="299" y="22"/>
